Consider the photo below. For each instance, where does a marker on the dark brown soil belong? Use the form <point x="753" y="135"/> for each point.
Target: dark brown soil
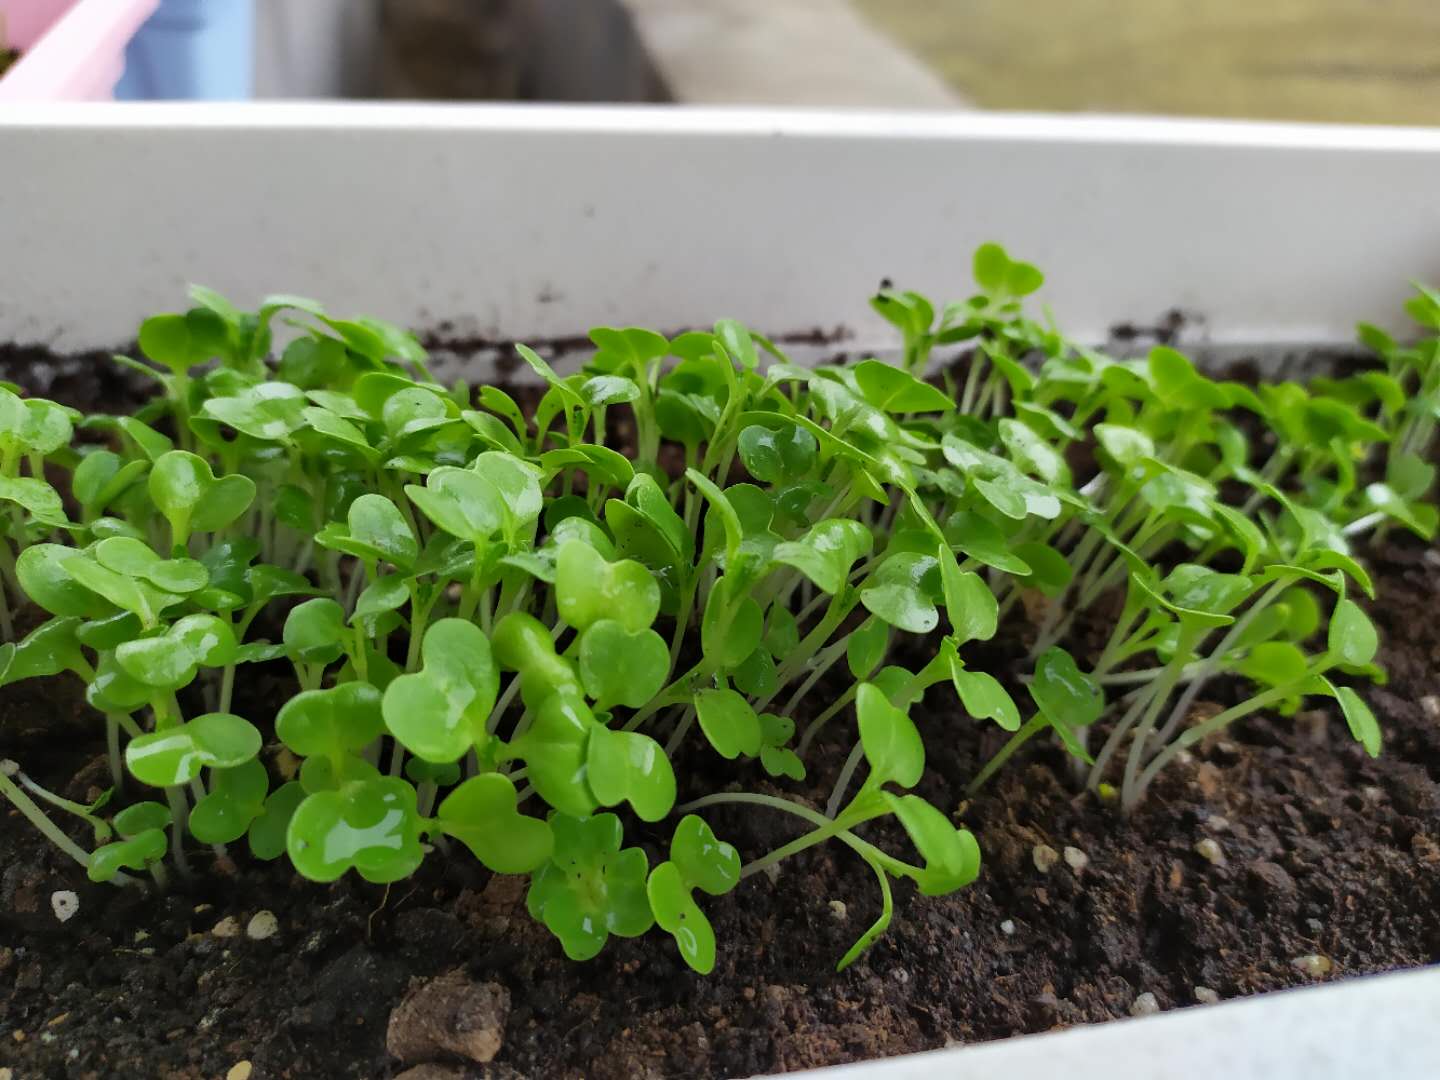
<point x="1322" y="853"/>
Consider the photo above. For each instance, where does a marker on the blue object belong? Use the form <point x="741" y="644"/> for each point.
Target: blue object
<point x="201" y="50"/>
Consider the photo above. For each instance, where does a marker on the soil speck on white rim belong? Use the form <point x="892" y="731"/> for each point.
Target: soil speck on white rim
<point x="1205" y="996"/>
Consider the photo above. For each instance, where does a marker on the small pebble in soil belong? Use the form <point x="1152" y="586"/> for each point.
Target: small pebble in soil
<point x="7" y="1074"/>
<point x="1008" y="927"/>
<point x="1076" y="859"/>
<point x="1217" y="823"/>
<point x="1314" y="966"/>
<point x="262" y="925"/>
<point x="241" y="1070"/>
<point x="838" y="909"/>
<point x="447" y="1017"/>
<point x="1431" y="704"/>
<point x="141" y="935"/>
<point x="1205" y="996"/>
<point x="227" y="927"/>
<point x="1145" y="1005"/>
<point x="1210" y="851"/>
<point x="65" y="904"/>
<point x="1045" y="857"/>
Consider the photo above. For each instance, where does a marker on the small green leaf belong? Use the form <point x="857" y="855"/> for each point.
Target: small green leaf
<point x="314" y="631"/>
<point x="1352" y="635"/>
<point x="728" y="722"/>
<point x="267" y="831"/>
<point x="891" y="743"/>
<point x="333" y="722"/>
<point x="370" y="825"/>
<point x="628" y="766"/>
<point x="192" y="498"/>
<point x="481" y="814"/>
<point x="984" y="698"/>
<point x="969" y="603"/>
<point x="866" y="647"/>
<point x="620" y="667"/>
<point x="897" y="391"/>
<point x="827" y="551"/>
<point x="1360" y="719"/>
<point x="555" y="750"/>
<point x="591" y="888"/>
<point x="236" y="798"/>
<point x="176" y="755"/>
<point x="903" y="590"/>
<point x="440" y="712"/>
<point x="952" y="857"/>
<point x="170" y="659"/>
<point x="588" y="589"/>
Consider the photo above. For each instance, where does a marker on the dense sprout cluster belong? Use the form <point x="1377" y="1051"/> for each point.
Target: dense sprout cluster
<point x="503" y="631"/>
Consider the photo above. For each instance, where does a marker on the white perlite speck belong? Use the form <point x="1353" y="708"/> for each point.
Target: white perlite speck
<point x="1045" y="857"/>
<point x="1145" y="1005"/>
<point x="1431" y="704"/>
<point x="65" y="904"/>
<point x="1076" y="859"/>
<point x="1008" y="927"/>
<point x="262" y="925"/>
<point x="838" y="909"/>
<point x="1211" y="851"/>
<point x="1205" y="996"/>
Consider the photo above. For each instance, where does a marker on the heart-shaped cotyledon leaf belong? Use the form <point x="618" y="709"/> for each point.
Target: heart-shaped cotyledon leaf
<point x="827" y="551"/>
<point x="42" y="574"/>
<point x="440" y="712"/>
<point x="895" y="391"/>
<point x="236" y="798"/>
<point x="370" y="824"/>
<point x="134" y="559"/>
<point x="481" y="814"/>
<point x="591" y="887"/>
<point x="588" y="588"/>
<point x="141" y="828"/>
<point x="175" y="755"/>
<point x="330" y="724"/>
<point x="190" y="496"/>
<point x="779" y="456"/>
<point x="627" y="766"/>
<point x="697" y="860"/>
<point x="620" y="666"/>
<point x="170" y="659"/>
<point x="314" y="631"/>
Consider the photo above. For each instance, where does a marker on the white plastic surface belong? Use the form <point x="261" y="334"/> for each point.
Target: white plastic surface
<point x="524" y="222"/>
<point x="1377" y="1028"/>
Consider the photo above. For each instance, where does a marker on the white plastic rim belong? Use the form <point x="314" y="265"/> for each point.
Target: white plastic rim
<point x="509" y="222"/>
<point x="1381" y="1027"/>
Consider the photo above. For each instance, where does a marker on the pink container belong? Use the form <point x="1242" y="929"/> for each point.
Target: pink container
<point x="70" y="50"/>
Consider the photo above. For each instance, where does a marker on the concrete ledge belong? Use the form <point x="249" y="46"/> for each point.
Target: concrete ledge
<point x="781" y="52"/>
<point x="1380" y="1026"/>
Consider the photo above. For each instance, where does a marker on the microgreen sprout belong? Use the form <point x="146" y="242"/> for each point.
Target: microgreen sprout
<point x="509" y="640"/>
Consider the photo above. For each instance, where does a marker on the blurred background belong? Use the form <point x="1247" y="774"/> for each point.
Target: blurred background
<point x="1344" y="60"/>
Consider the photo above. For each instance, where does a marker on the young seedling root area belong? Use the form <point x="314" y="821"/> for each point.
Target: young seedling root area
<point x="754" y="718"/>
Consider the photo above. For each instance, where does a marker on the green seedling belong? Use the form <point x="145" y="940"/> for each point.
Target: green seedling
<point x="510" y="641"/>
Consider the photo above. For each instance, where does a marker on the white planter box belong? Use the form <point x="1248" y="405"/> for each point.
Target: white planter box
<point x="541" y="222"/>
